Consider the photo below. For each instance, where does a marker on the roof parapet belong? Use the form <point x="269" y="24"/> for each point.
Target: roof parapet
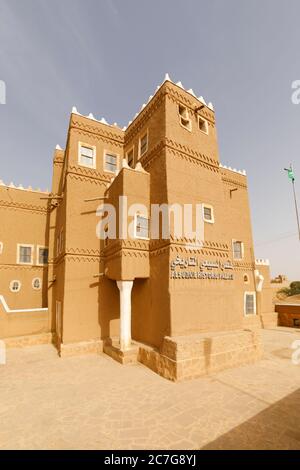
<point x="240" y="172"/>
<point x="262" y="262"/>
<point x="166" y="79"/>
<point x="21" y="187"/>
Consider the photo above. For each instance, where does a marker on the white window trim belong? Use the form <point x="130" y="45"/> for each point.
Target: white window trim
<point x="206" y="125"/>
<point x="128" y="151"/>
<point x="138" y="237"/>
<point x="208" y="206"/>
<point x="12" y="283"/>
<point x="111" y="152"/>
<point x="38" y="255"/>
<point x="254" y="303"/>
<point x="1" y="248"/>
<point x="140" y="140"/>
<point x="18" y="253"/>
<point x="243" y="249"/>
<point x="36" y="279"/>
<point x="180" y="117"/>
<point x="92" y="147"/>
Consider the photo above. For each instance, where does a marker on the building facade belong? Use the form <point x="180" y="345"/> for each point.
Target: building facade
<point x="181" y="308"/>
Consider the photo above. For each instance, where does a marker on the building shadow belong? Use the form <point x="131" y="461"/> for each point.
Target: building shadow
<point x="277" y="427"/>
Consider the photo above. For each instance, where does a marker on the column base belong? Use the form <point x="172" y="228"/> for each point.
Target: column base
<point x="111" y="347"/>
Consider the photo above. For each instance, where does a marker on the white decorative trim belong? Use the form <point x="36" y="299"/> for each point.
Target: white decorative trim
<point x="8" y="310"/>
<point x="262" y="262"/>
<point x="1" y="248"/>
<point x="240" y="172"/>
<point x="21" y="188"/>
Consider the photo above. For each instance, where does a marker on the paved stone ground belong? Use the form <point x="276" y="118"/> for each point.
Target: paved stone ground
<point x="92" y="402"/>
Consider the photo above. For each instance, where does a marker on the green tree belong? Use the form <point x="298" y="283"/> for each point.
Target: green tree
<point x="294" y="289"/>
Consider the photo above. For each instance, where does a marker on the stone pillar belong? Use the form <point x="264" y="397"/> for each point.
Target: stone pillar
<point x="125" y="288"/>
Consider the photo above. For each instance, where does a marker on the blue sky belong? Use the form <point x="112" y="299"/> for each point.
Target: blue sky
<point x="107" y="57"/>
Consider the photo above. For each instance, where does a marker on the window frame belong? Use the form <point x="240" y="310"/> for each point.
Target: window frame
<point x="253" y="294"/>
<point x="25" y="245"/>
<point x="11" y="284"/>
<point x="38" y="247"/>
<point x="242" y="249"/>
<point x="139" y="237"/>
<point x="189" y="128"/>
<point x="140" y="142"/>
<point x="1" y="247"/>
<point x="112" y="154"/>
<point x="91" y="147"/>
<point x="130" y="150"/>
<point x="208" y="206"/>
<point x="33" y="281"/>
<point x="206" y="125"/>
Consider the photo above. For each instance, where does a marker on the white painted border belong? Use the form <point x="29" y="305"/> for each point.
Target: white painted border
<point x="11" y="285"/>
<point x="92" y="147"/>
<point x="18" y="253"/>
<point x="1" y="248"/>
<point x="8" y="310"/>
<point x="208" y="206"/>
<point x="36" y="279"/>
<point x="113" y="154"/>
<point x="249" y="293"/>
<point x="138" y="237"/>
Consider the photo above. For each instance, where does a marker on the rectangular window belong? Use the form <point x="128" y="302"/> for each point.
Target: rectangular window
<point x="208" y="213"/>
<point x="42" y="255"/>
<point x="87" y="156"/>
<point x="141" y="227"/>
<point x="25" y="254"/>
<point x="249" y="304"/>
<point x="110" y="162"/>
<point x="296" y="322"/>
<point x="143" y="144"/>
<point x="184" y="117"/>
<point x="238" y="250"/>
<point x="203" y="125"/>
<point x="130" y="156"/>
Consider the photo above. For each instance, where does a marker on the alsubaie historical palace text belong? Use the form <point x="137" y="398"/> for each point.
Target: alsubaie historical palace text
<point x="181" y="309"/>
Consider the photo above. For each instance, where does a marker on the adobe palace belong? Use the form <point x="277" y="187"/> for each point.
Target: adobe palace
<point x="182" y="309"/>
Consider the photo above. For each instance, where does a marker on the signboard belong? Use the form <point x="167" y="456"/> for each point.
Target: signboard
<point x="181" y="268"/>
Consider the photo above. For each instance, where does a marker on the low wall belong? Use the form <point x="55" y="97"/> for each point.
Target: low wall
<point x="288" y="315"/>
<point x="187" y="357"/>
<point x="23" y="323"/>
